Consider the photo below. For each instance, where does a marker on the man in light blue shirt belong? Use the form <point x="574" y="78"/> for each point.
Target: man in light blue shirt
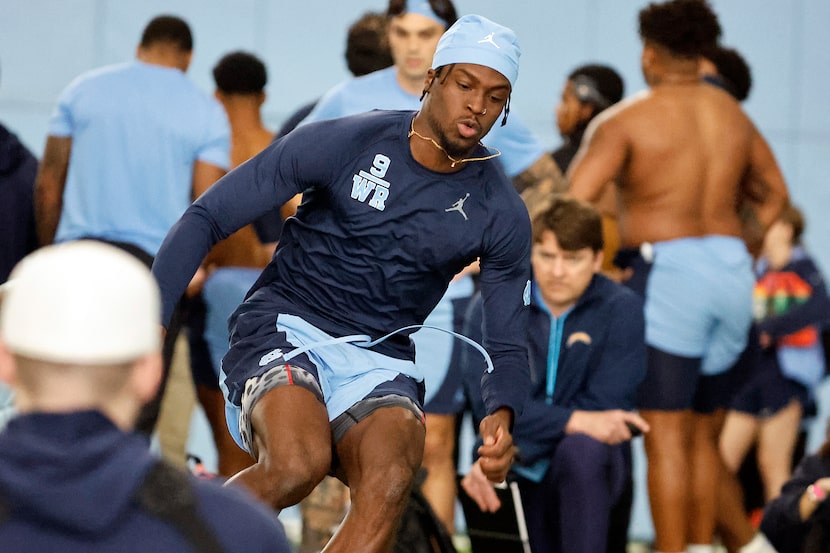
<point x="128" y="148"/>
<point x="414" y="29"/>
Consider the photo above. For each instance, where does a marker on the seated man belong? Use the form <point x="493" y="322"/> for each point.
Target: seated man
<point x="587" y="356"/>
<point x="81" y="347"/>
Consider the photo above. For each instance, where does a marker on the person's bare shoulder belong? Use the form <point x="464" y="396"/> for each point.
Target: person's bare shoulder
<point x="631" y="106"/>
<point x="627" y="112"/>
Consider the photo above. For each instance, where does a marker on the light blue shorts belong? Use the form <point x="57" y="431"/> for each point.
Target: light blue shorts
<point x="435" y="352"/>
<point x="698" y="299"/>
<point x="222" y="293"/>
<point x="345" y="373"/>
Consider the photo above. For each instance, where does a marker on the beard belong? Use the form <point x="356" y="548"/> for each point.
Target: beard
<point x="453" y="148"/>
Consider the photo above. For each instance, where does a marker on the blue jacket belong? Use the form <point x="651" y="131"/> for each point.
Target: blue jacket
<point x="18" y="168"/>
<point x="782" y="523"/>
<point x="598" y="357"/>
<point x="791" y="305"/>
<point x="69" y="481"/>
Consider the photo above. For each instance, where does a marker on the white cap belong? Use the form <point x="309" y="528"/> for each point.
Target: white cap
<point x="81" y="302"/>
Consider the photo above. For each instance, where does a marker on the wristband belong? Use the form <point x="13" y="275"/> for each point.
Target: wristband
<point x="816" y="493"/>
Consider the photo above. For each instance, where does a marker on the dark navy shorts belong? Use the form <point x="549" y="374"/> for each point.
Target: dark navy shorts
<point x="674" y="383"/>
<point x="765" y="390"/>
<point x="201" y="363"/>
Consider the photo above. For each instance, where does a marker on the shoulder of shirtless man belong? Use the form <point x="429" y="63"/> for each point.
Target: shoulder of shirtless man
<point x="686" y="160"/>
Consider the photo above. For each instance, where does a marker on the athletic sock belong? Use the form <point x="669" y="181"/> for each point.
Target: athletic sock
<point x="700" y="548"/>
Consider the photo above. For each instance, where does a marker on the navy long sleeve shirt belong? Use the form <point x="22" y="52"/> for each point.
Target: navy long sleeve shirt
<point x="376" y="240"/>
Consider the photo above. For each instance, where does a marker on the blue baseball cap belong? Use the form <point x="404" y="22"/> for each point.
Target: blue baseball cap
<point x="476" y="39"/>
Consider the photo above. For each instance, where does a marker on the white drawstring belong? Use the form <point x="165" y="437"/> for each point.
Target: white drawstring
<point x="365" y="341"/>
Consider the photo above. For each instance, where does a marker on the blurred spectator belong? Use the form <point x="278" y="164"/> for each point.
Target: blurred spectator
<point x="128" y="148"/>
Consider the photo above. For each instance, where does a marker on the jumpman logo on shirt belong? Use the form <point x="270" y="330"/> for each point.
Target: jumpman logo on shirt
<point x="459" y="206"/>
<point x="489" y="38"/>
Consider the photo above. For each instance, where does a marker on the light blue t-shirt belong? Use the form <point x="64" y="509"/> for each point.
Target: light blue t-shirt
<point x="137" y="129"/>
<point x="380" y="90"/>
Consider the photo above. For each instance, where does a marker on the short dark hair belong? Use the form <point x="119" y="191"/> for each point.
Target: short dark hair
<point x="367" y="46"/>
<point x="575" y="223"/>
<point x="733" y="71"/>
<point x="688" y="28"/>
<point x="240" y="73"/>
<point x="168" y="28"/>
<point x="606" y="85"/>
<point x="442" y="8"/>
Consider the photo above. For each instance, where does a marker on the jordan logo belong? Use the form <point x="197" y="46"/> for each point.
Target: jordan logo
<point x="459" y="206"/>
<point x="489" y="38"/>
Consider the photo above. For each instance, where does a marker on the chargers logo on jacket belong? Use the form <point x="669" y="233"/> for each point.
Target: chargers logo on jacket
<point x="579" y="337"/>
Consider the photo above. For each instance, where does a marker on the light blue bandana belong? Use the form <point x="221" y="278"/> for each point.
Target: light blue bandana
<point x="422" y="7"/>
<point x="476" y="39"/>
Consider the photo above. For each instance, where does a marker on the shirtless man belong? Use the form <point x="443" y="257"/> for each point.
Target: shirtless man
<point x="683" y="157"/>
<point x="233" y="264"/>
